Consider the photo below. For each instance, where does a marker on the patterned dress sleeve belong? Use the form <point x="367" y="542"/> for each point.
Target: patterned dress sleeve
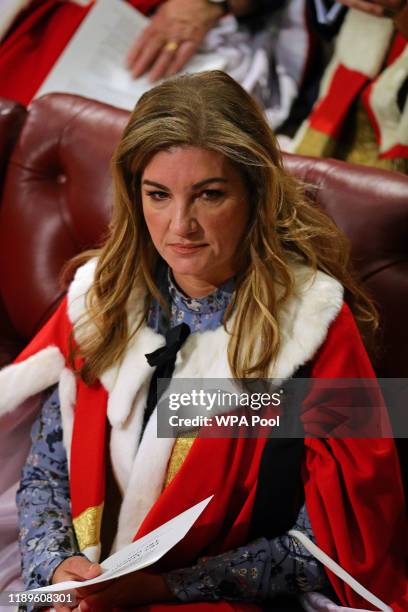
<point x="255" y="572"/>
<point x="46" y="534"/>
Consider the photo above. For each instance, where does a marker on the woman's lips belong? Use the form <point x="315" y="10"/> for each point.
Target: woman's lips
<point x="186" y="248"/>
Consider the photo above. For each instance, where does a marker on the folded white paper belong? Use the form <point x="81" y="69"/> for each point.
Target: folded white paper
<point x="141" y="553"/>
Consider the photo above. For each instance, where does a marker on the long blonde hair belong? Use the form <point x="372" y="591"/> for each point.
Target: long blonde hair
<point x="212" y="111"/>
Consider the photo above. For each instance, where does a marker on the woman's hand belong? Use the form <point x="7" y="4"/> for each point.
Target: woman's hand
<point x="172" y="37"/>
<point x="375" y="7"/>
<point x="127" y="591"/>
<point x="75" y="568"/>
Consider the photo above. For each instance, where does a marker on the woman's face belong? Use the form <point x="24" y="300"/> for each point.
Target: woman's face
<point x="196" y="209"/>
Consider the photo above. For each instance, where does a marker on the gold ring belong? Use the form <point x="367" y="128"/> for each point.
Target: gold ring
<point x="171" y="45"/>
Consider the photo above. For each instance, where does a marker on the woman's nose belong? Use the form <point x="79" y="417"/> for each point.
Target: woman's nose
<point x="183" y="221"/>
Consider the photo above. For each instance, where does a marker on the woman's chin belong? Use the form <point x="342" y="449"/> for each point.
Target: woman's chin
<point x="185" y="270"/>
<point x="191" y="266"/>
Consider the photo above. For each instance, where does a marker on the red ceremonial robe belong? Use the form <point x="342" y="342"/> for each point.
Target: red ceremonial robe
<point x="352" y="487"/>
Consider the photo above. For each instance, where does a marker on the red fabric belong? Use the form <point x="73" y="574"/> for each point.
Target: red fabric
<point x="87" y="480"/>
<point x="35" y="42"/>
<point x="330" y="112"/>
<point x="91" y="408"/>
<point x="55" y="332"/>
<point x="398" y="150"/>
<point x="397" y="47"/>
<point x="368" y="541"/>
<point x="338" y="477"/>
<point x="352" y="486"/>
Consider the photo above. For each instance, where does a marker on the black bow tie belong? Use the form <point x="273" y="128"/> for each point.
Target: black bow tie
<point x="175" y="338"/>
<point x="164" y="358"/>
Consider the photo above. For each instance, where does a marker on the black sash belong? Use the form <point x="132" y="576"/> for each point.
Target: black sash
<point x="279" y="493"/>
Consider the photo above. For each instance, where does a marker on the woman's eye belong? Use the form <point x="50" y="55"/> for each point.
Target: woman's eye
<point x="212" y="195"/>
<point x="157" y="196"/>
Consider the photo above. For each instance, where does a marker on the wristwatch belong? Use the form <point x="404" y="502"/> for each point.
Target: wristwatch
<point x="222" y="3"/>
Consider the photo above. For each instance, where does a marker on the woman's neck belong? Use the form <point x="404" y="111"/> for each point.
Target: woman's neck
<point x="195" y="287"/>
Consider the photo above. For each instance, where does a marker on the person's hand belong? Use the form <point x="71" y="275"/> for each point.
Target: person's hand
<point x="172" y="37"/>
<point x="74" y="568"/>
<point x="379" y="8"/>
<point x="128" y="591"/>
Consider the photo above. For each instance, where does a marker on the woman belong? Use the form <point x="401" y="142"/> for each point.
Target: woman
<point x="207" y="230"/>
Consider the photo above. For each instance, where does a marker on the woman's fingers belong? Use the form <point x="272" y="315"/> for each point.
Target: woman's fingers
<point x="185" y="51"/>
<point x="164" y="60"/>
<point x="172" y="36"/>
<point x="148" y="54"/>
<point x="76" y="568"/>
<point x="136" y="48"/>
<point x="93" y="571"/>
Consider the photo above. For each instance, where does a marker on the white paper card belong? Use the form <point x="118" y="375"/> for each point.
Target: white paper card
<point x="93" y="63"/>
<point x="141" y="553"/>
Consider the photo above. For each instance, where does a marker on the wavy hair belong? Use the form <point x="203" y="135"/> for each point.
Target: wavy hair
<point x="212" y="111"/>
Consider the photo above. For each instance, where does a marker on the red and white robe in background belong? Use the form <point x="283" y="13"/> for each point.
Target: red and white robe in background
<point x="370" y="63"/>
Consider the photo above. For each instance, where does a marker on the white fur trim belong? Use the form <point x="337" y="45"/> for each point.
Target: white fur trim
<point x="305" y="320"/>
<point x="20" y="381"/>
<point x="134" y="371"/>
<point x="363" y="42"/>
<point x="327" y="77"/>
<point x="93" y="553"/>
<point x="67" y="395"/>
<point x="77" y="293"/>
<point x="146" y="482"/>
<point x="392" y="123"/>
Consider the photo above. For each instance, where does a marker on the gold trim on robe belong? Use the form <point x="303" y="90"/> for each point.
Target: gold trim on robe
<point x="87" y="526"/>
<point x="180" y="451"/>
<point x="315" y="143"/>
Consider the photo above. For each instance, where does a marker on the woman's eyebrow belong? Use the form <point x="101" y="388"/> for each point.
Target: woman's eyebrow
<point x="213" y="179"/>
<point x="154" y="184"/>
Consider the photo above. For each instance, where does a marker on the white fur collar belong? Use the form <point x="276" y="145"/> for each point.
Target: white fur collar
<point x="303" y="321"/>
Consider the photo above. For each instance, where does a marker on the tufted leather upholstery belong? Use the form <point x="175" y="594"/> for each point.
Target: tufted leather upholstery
<point x="56" y="201"/>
